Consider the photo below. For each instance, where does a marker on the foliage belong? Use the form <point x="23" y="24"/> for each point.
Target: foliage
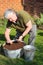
<point x="39" y="21"/>
<point x="38" y="59"/>
<point x="3" y="22"/>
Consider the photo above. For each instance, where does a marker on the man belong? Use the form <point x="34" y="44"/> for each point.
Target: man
<point x="23" y="23"/>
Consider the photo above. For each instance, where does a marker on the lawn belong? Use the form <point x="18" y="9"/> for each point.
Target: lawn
<point x="38" y="59"/>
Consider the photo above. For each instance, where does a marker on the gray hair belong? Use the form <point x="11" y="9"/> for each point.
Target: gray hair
<point x="7" y="12"/>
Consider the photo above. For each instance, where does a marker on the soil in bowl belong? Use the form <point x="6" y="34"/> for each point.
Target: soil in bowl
<point x="14" y="45"/>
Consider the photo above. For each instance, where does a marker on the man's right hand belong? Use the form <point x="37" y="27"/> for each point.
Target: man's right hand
<point x="10" y="42"/>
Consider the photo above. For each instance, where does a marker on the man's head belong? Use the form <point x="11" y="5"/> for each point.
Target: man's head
<point x="11" y="15"/>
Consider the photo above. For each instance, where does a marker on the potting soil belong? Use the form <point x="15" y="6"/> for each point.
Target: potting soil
<point x="14" y="46"/>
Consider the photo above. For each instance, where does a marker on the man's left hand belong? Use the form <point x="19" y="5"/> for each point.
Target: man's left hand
<point x="20" y="38"/>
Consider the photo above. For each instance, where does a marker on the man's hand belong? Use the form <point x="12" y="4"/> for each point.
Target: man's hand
<point x="10" y="41"/>
<point x="20" y="38"/>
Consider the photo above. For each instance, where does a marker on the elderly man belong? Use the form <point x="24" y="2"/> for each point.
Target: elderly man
<point x="23" y="23"/>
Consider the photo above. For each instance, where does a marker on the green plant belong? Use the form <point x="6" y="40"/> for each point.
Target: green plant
<point x="39" y="21"/>
<point x="38" y="59"/>
<point x="3" y="22"/>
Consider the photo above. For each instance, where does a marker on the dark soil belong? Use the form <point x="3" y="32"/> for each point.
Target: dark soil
<point x="14" y="46"/>
<point x="40" y="27"/>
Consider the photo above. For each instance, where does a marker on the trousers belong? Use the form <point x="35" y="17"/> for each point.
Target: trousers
<point x="31" y="39"/>
<point x="32" y="35"/>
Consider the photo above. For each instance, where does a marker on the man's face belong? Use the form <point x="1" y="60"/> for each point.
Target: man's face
<point x="12" y="17"/>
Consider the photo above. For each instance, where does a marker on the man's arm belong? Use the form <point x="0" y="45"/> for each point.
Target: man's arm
<point x="29" y="27"/>
<point x="7" y="33"/>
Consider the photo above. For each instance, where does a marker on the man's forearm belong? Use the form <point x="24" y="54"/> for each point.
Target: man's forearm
<point x="29" y="27"/>
<point x="7" y="37"/>
<point x="7" y="33"/>
<point x="26" y="32"/>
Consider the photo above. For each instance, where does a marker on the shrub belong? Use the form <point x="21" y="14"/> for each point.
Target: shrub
<point x="3" y="22"/>
<point x="39" y="21"/>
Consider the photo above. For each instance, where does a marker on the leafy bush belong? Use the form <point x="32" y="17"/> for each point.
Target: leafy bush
<point x="39" y="21"/>
<point x="3" y="22"/>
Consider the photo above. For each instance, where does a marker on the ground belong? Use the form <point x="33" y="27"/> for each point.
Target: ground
<point x="38" y="59"/>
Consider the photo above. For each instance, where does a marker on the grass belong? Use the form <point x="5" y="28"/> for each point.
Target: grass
<point x="38" y="59"/>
